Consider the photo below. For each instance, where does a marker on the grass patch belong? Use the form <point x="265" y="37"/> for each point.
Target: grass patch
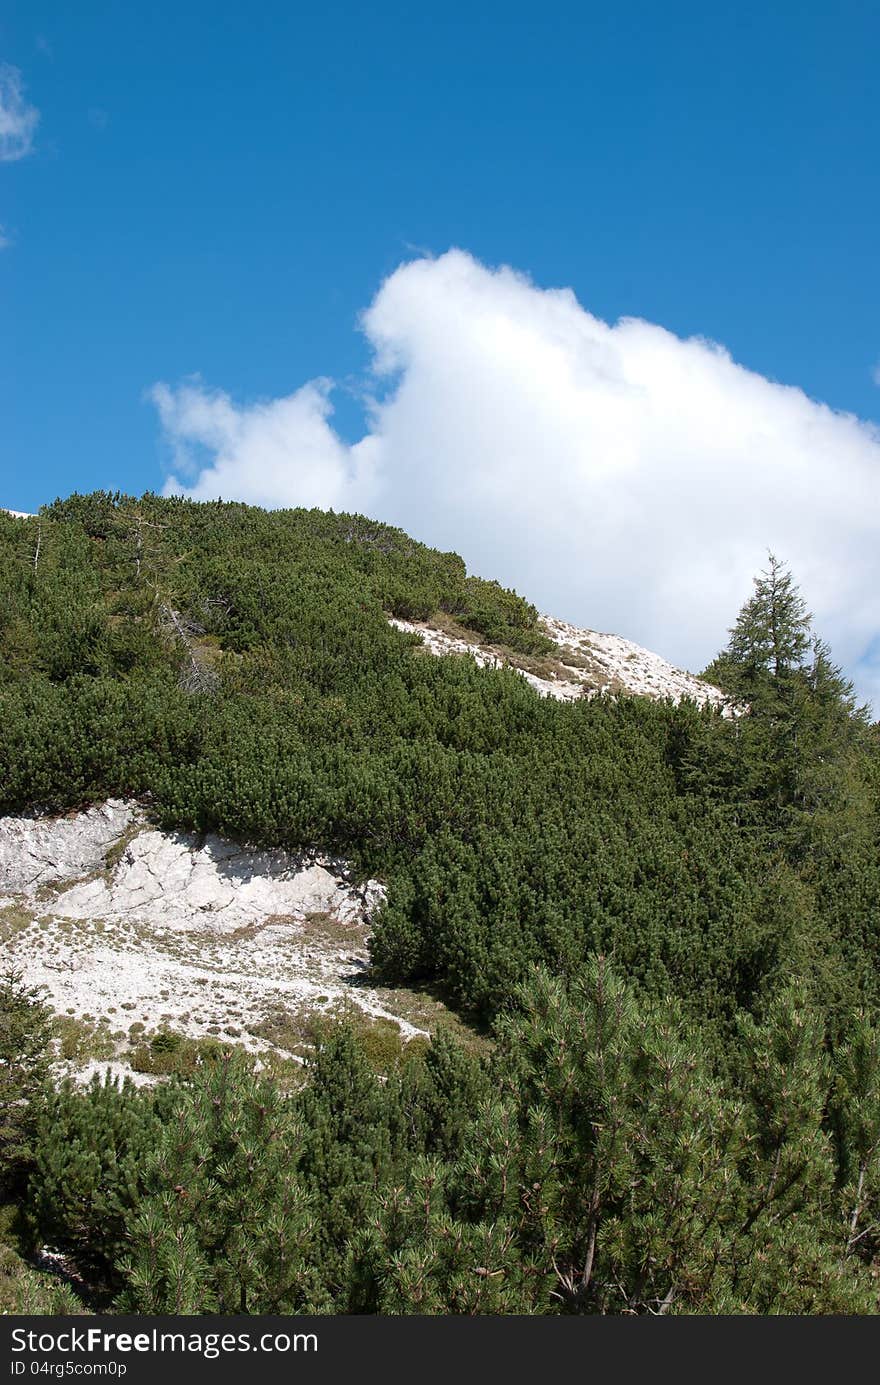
<point x="80" y="1040"/>
<point x="114" y="854"/>
<point x="329" y="931"/>
<point x="544" y="666"/>
<point x="13" y="920"/>
<point x="292" y="1033"/>
<point x="168" y="1053"/>
<point x="441" y="620"/>
<point x="425" y="1009"/>
<point x="550" y="665"/>
<point x="380" y="1037"/>
<point x="49" y="890"/>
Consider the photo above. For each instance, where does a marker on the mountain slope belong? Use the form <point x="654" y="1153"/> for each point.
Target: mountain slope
<point x="585" y="664"/>
<point x="234" y="671"/>
<point x="236" y="794"/>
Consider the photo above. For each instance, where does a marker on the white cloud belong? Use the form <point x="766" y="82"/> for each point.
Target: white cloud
<point x="18" y="120"/>
<point x="617" y="475"/>
<point x="278" y="452"/>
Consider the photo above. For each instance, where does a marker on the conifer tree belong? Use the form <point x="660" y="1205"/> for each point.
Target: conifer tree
<point x="415" y="1256"/>
<point x="770" y="639"/>
<point x="787" y="1253"/>
<point x="225" y="1225"/>
<point x="803" y="732"/>
<point x="856" y="1115"/>
<point x="25" y="1055"/>
<point x="91" y="1153"/>
<point x="346" y="1146"/>
<point x="607" y="1148"/>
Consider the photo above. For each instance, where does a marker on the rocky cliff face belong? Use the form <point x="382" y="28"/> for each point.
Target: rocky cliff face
<point x="124" y="925"/>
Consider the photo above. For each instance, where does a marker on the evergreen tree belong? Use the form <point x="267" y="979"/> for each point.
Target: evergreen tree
<point x="770" y="639"/>
<point x="224" y="1225"/>
<point x="617" y="1171"/>
<point x="92" y="1149"/>
<point x="802" y="740"/>
<point x="856" y="1117"/>
<point x="347" y="1146"/>
<point x="25" y="1056"/>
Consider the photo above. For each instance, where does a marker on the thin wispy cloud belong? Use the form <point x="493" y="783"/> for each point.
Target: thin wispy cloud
<point x="18" y="119"/>
<point x="620" y="476"/>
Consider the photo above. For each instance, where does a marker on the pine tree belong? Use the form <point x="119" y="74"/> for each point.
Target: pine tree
<point x="856" y="1115"/>
<point x="25" y="1055"/>
<point x="415" y="1256"/>
<point x="770" y="639"/>
<point x="346" y="1149"/>
<point x="607" y="1149"/>
<point x="787" y="1253"/>
<point x="91" y="1150"/>
<point x="226" y="1225"/>
<point x="803" y="734"/>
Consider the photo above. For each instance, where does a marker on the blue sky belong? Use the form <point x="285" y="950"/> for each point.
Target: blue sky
<point x="221" y="189"/>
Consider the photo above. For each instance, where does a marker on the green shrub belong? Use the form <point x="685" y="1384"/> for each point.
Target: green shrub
<point x="25" y="1056"/>
<point x="91" y="1148"/>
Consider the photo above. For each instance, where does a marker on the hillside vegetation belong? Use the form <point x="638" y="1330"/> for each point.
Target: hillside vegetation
<point x="668" y="920"/>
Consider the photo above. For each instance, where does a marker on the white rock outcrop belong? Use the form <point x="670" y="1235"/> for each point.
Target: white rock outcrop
<point x="626" y="664"/>
<point x="169" y="880"/>
<point x="41" y="851"/>
<point x="126" y="925"/>
<point x="599" y="663"/>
